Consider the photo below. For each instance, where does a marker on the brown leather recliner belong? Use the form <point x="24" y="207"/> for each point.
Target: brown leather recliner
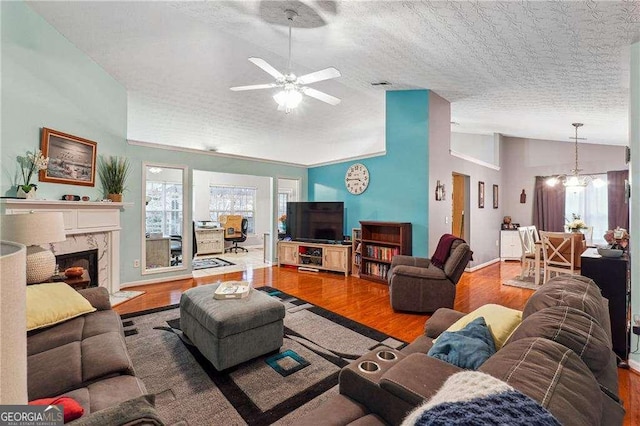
<point x="416" y="285"/>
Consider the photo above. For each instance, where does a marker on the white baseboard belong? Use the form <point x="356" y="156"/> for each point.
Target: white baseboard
<point x="634" y="365"/>
<point x="156" y="280"/>
<point x="482" y="265"/>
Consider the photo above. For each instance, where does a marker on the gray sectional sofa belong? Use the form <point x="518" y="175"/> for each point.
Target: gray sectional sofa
<point x="86" y="358"/>
<point x="560" y="356"/>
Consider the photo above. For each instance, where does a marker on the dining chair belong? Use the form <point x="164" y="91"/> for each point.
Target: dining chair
<point x="527" y="260"/>
<point x="561" y="252"/>
<point x="588" y="235"/>
<point x="533" y="231"/>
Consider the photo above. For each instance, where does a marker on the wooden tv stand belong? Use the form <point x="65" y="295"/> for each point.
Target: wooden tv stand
<point x="315" y="256"/>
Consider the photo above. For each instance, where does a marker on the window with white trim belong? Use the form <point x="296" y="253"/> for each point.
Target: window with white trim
<point x="238" y="200"/>
<point x="164" y="208"/>
<point x="283" y="198"/>
<point x="591" y="204"/>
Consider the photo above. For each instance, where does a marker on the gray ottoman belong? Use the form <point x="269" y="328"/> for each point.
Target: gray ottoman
<point x="228" y="332"/>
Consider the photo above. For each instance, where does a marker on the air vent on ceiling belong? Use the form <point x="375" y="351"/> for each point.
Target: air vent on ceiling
<point x="381" y="83"/>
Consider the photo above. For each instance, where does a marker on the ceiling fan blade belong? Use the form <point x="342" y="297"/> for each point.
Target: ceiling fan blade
<point x="254" y="87"/>
<point x="324" y="74"/>
<point x="266" y="67"/>
<point x="321" y="96"/>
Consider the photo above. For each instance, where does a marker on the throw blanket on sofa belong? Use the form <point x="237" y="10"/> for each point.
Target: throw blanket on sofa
<point x="443" y="250"/>
<point x="471" y="397"/>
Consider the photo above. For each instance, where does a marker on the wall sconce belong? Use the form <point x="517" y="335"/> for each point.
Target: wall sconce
<point x="523" y="197"/>
<point x="439" y="191"/>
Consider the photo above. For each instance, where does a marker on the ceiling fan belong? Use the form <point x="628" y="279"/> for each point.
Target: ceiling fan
<point x="293" y="87"/>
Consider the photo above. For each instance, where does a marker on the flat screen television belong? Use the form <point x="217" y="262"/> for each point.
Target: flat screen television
<point x="320" y="221"/>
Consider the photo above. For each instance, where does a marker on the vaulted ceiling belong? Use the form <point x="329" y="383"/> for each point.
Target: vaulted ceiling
<point x="525" y="69"/>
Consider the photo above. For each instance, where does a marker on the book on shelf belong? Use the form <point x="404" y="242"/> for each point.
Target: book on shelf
<point x="382" y="253"/>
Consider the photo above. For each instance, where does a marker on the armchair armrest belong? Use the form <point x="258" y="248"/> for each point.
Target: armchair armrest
<point x="418" y="272"/>
<point x="417" y="378"/>
<point x="400" y="259"/>
<point x="97" y="296"/>
<point x="441" y="319"/>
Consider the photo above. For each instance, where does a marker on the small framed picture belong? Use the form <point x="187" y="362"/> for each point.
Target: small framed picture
<point x="495" y="196"/>
<point x="72" y="160"/>
<point x="480" y="195"/>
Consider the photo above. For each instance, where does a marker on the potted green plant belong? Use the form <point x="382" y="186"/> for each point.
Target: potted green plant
<point x="113" y="172"/>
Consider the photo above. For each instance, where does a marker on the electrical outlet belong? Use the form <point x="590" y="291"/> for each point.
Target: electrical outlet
<point x="497" y="243"/>
<point x="136" y="263"/>
<point x="446" y="219"/>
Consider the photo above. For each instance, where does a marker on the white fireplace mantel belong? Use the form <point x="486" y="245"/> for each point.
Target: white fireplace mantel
<point x="81" y="217"/>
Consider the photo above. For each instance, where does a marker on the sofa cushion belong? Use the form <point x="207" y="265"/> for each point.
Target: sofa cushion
<point x="104" y="355"/>
<point x="468" y="348"/>
<point x="107" y="392"/>
<point x="552" y="375"/>
<point x="52" y="303"/>
<point x="54" y="371"/>
<point x="471" y="397"/>
<point x="571" y="328"/>
<point x="48" y="338"/>
<point x="60" y="359"/>
<point x="577" y="292"/>
<point x="500" y="320"/>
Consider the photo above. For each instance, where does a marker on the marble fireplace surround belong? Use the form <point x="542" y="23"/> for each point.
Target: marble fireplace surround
<point x="88" y="225"/>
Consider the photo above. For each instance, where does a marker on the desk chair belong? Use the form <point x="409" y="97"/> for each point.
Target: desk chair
<point x="176" y="249"/>
<point x="232" y="234"/>
<point x="561" y="251"/>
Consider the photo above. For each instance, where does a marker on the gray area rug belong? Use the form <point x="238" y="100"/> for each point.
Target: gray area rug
<point x="210" y="262"/>
<point x="527" y="282"/>
<point x="276" y="388"/>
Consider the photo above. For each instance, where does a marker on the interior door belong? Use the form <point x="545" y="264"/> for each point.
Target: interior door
<point x="458" y="202"/>
<point x="460" y="206"/>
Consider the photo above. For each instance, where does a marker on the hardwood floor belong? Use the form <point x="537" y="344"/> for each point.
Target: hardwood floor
<point x="368" y="303"/>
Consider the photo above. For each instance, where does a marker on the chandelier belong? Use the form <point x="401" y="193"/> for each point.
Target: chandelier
<point x="575" y="180"/>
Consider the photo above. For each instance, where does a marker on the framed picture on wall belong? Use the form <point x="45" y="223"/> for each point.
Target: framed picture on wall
<point x="480" y="194"/>
<point x="495" y="196"/>
<point x="72" y="160"/>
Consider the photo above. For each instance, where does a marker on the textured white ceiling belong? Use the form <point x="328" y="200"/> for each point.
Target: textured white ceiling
<point x="526" y="69"/>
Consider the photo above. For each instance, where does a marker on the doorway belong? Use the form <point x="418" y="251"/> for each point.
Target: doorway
<point x="460" y="202"/>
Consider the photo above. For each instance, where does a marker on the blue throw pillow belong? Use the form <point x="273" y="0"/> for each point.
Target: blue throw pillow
<point x="468" y="348"/>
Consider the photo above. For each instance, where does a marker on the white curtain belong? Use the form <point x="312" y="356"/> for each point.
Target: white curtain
<point x="591" y="204"/>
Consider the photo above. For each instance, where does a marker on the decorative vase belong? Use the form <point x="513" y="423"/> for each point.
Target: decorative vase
<point x="116" y="198"/>
<point x="28" y="195"/>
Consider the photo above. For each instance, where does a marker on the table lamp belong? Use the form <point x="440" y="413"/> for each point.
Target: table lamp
<point x="13" y="317"/>
<point x="32" y="230"/>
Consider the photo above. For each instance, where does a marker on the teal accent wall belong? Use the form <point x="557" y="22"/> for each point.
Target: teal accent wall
<point x="48" y="82"/>
<point x="399" y="180"/>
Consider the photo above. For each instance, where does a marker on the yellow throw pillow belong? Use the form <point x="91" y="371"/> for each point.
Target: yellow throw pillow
<point x="51" y="303"/>
<point x="502" y="321"/>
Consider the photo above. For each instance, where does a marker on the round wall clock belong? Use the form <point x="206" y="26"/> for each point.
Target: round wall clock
<point x="356" y="179"/>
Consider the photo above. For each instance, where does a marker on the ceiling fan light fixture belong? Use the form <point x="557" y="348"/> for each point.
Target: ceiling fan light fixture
<point x="288" y="98"/>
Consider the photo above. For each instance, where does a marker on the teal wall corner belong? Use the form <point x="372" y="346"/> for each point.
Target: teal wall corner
<point x="399" y="180"/>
